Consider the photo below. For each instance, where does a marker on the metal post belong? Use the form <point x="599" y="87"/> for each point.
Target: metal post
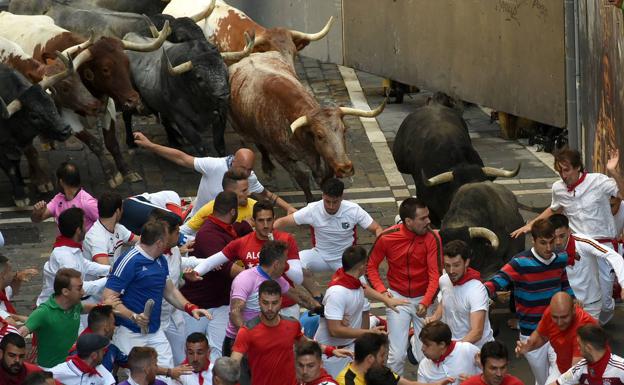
<point x="572" y="75"/>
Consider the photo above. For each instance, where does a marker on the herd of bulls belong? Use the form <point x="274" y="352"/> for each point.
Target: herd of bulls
<point x="68" y="64"/>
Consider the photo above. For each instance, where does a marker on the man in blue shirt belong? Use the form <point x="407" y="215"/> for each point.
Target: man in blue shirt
<point x="138" y="276"/>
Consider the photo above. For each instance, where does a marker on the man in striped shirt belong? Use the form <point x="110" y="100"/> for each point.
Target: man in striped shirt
<point x="536" y="274"/>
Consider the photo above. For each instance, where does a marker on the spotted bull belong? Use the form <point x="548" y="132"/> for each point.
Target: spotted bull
<point x="271" y="108"/>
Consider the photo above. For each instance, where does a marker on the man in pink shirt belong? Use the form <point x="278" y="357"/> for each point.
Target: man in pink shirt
<point x="72" y="195"/>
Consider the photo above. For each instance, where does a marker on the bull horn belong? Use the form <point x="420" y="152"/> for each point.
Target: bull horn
<point x="205" y="13"/>
<point x="299" y="122"/>
<point x="151" y="26"/>
<point x="151" y="46"/>
<point x="445" y="177"/>
<point x="73" y="49"/>
<point x="7" y="111"/>
<point x="82" y="58"/>
<point x="180" y="68"/>
<point x="362" y="113"/>
<point x="313" y="36"/>
<point x="236" y="56"/>
<point x="50" y="81"/>
<point x="492" y="171"/>
<point x="482" y="232"/>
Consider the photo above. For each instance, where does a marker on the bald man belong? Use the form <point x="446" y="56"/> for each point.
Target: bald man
<point x="212" y="170"/>
<point x="558" y="326"/>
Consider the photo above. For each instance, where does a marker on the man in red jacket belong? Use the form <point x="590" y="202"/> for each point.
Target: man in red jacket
<point x="413" y="252"/>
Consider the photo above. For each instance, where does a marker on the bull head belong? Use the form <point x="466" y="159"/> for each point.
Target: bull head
<point x="303" y="120"/>
<point x="447" y="177"/>
<point x="301" y="39"/>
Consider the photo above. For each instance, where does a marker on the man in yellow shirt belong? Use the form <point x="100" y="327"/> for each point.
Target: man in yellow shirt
<point x="234" y="182"/>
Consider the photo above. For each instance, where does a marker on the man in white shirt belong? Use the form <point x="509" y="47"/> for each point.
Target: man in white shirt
<point x="104" y="240"/>
<point x="333" y="222"/>
<point x="212" y="170"/>
<point x="464" y="301"/>
<point x="444" y="357"/>
<point x="584" y="256"/>
<point x="67" y="253"/>
<point x="599" y="365"/>
<point x="86" y="366"/>
<point x="344" y="300"/>
<point x="198" y="356"/>
<point x="584" y="198"/>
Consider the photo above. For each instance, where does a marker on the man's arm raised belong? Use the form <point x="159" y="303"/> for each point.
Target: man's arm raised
<point x="171" y="154"/>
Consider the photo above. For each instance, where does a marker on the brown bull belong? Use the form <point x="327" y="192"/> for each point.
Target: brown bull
<point x="271" y="108"/>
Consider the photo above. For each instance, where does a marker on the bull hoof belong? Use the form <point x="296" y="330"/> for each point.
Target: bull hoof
<point x="21" y="203"/>
<point x="115" y="181"/>
<point x="49" y="187"/>
<point x="42" y="188"/>
<point x="133" y="177"/>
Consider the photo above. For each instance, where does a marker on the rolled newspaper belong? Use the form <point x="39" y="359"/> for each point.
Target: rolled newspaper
<point x="147" y="311"/>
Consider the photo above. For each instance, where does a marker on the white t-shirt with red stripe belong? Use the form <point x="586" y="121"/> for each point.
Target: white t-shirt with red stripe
<point x="578" y="374"/>
<point x="332" y="234"/>
<point x="461" y="361"/>
<point x="99" y="242"/>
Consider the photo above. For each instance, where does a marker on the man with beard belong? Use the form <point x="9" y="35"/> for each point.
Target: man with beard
<point x="465" y="304"/>
<point x="197" y="356"/>
<point x="268" y="340"/>
<point x="142" y="362"/>
<point x="87" y="364"/>
<point x="13" y="368"/>
<point x="599" y="366"/>
<point x="413" y="253"/>
<point x="494" y="360"/>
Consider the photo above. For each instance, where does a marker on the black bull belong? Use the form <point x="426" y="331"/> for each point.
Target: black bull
<point x="191" y="100"/>
<point x="486" y="205"/>
<point x="37" y="115"/>
<point x="432" y="140"/>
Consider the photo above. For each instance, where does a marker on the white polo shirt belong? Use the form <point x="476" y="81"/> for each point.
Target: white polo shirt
<point x="212" y="170"/>
<point x="583" y="275"/>
<point x="578" y="374"/>
<point x="176" y="265"/>
<point x="341" y="302"/>
<point x="161" y="198"/>
<point x="71" y="257"/>
<point x="99" y="242"/>
<point x="460" y="361"/>
<point x="193" y="378"/>
<point x="68" y="374"/>
<point x="461" y="300"/>
<point x="333" y="233"/>
<point x="587" y="206"/>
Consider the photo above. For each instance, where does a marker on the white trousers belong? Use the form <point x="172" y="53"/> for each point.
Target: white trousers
<point x="605" y="278"/>
<point x="125" y="339"/>
<point x="176" y="336"/>
<point x="293" y="311"/>
<point x="398" y="332"/>
<point x="594" y="309"/>
<point x="214" y="329"/>
<point x="316" y="262"/>
<point x="543" y="363"/>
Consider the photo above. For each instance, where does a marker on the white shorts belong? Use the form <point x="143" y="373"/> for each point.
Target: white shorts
<point x="315" y="261"/>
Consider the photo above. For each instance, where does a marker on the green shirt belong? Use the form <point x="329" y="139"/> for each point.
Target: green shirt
<point x="56" y="331"/>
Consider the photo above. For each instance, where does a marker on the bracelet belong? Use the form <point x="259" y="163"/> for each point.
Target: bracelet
<point x="189" y="307"/>
<point x="329" y="350"/>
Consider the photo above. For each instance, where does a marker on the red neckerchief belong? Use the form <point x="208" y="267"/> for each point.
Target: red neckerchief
<point x="448" y="351"/>
<point x="9" y="306"/>
<point x="468" y="275"/>
<point x="343" y="279"/>
<point x="595" y="370"/>
<point x="580" y="180"/>
<point x="62" y="240"/>
<point x="323" y="377"/>
<point x="571" y="250"/>
<point x="225" y="226"/>
<point x="206" y="367"/>
<point x="83" y="366"/>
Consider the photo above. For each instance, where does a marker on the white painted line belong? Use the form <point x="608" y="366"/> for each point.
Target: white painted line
<point x="545" y="157"/>
<point x="373" y="132"/>
<point x="9" y="221"/>
<point x="13" y="209"/>
<point x="533" y="192"/>
<point x="526" y="181"/>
